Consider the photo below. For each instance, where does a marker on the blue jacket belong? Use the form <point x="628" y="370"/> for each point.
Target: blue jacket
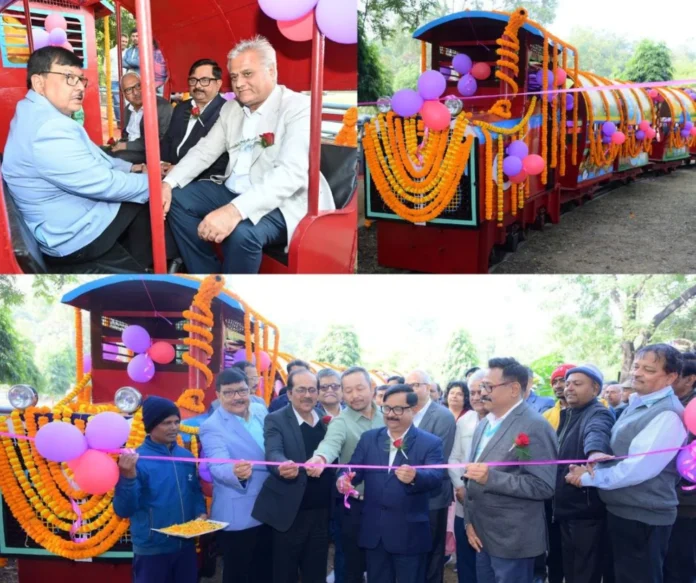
<point x="66" y="188"/>
<point x="223" y="435"/>
<point x="160" y="495"/>
<point x="538" y="403"/>
<point x="396" y="513"/>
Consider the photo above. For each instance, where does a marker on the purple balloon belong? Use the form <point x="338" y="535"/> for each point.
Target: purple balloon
<point x="141" y="369"/>
<point x="240" y="355"/>
<point x="57" y="37"/>
<point x="512" y="166"/>
<point x="688" y="126"/>
<point x="446" y="72"/>
<point x="87" y="363"/>
<point x="431" y="85"/>
<point x="229" y="96"/>
<point x="41" y="38"/>
<point x="287" y="9"/>
<point x="204" y="472"/>
<point x="467" y="85"/>
<point x="136" y="338"/>
<point x="570" y="124"/>
<point x="58" y="441"/>
<point x="519" y="150"/>
<point x="685" y="133"/>
<point x="606" y="140"/>
<point x="338" y="21"/>
<point x="640" y="135"/>
<point x="570" y="102"/>
<point x="686" y="464"/>
<point x="540" y="78"/>
<point x="609" y="129"/>
<point x="107" y="430"/>
<point x="406" y="102"/>
<point x="462" y="64"/>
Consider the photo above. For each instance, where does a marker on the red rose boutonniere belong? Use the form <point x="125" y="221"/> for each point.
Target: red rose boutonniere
<point x="521" y="447"/>
<point x="267" y="139"/>
<point x="196" y="112"/>
<point x="111" y="142"/>
<point x="399" y="445"/>
<point x="326" y="419"/>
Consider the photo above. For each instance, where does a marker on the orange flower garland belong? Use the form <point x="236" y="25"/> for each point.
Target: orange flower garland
<point x="564" y="119"/>
<point x="501" y="183"/>
<point x="545" y="111"/>
<point x="554" y="112"/>
<point x="348" y="134"/>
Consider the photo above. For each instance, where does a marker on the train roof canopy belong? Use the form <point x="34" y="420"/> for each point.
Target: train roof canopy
<point x="168" y="293"/>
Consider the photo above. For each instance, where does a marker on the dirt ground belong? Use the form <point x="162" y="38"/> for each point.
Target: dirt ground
<point x="653" y="215"/>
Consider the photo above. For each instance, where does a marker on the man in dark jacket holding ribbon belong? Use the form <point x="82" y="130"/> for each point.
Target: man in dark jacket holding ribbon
<point x="584" y="432"/>
<point x="156" y="494"/>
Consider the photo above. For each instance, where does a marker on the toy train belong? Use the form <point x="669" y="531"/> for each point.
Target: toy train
<point x="443" y="201"/>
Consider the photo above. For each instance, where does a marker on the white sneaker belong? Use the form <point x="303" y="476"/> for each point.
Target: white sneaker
<point x="330" y="578"/>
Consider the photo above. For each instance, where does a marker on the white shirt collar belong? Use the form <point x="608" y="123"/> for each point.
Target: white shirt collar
<point x="136" y="111"/>
<point x="418" y="417"/>
<point x="391" y="437"/>
<point x="194" y="104"/>
<point x="492" y="421"/>
<point x="262" y="107"/>
<point x="300" y="421"/>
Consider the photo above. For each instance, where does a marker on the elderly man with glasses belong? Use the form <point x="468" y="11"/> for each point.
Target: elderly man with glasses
<point x="86" y="210"/>
<point x="194" y="118"/>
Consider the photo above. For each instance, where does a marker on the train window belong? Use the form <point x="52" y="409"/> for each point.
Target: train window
<point x="14" y="45"/>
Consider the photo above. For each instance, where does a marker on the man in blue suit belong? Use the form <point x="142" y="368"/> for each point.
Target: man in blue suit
<point x="86" y="209"/>
<point x="235" y="431"/>
<point x="395" y="526"/>
<point x="536" y="402"/>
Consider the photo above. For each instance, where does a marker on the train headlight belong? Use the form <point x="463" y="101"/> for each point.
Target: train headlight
<point x="22" y="396"/>
<point x="128" y="399"/>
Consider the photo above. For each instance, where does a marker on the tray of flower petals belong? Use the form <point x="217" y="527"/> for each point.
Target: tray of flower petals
<point x="192" y="528"/>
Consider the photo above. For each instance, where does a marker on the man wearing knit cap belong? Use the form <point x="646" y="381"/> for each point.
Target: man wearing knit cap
<point x="640" y="493"/>
<point x="157" y="494"/>
<point x="584" y="433"/>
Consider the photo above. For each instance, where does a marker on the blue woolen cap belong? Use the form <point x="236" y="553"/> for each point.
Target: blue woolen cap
<point x="157" y="409"/>
<point x="590" y="370"/>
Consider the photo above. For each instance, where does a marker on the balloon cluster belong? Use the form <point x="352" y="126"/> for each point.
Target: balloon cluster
<point x="645" y="130"/>
<point x="141" y="368"/>
<point x="691" y="93"/>
<point x="53" y="34"/>
<point x="336" y="19"/>
<point x="686" y="460"/>
<point x="656" y="96"/>
<point x="470" y="74"/>
<point x="94" y="471"/>
<point x="519" y="163"/>
<point x="611" y="134"/>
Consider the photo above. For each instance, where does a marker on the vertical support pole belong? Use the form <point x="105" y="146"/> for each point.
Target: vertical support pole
<point x="119" y="32"/>
<point x="27" y="20"/>
<point x="317" y="88"/>
<point x="107" y="59"/>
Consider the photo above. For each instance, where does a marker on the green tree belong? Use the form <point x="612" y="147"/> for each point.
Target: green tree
<point x="650" y="62"/>
<point x="17" y="364"/>
<point x="340" y="346"/>
<point x="543" y="368"/>
<point x="461" y="355"/>
<point x="373" y="79"/>
<point x="127" y="25"/>
<point x="601" y="51"/>
<point x="381" y="16"/>
<point x="60" y="370"/>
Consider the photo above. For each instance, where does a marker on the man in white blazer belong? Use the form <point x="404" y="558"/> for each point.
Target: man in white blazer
<point x="264" y="193"/>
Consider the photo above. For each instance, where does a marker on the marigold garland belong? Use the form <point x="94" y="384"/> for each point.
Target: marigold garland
<point x="509" y="48"/>
<point x="554" y="112"/>
<point x="545" y="111"/>
<point x="564" y="120"/>
<point x="348" y="134"/>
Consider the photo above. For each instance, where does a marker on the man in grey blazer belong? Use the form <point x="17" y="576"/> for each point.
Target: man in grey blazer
<point x="263" y="195"/>
<point x="504" y="506"/>
<point x="434" y="418"/>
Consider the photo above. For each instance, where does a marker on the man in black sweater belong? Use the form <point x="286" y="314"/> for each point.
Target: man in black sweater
<point x="583" y="433"/>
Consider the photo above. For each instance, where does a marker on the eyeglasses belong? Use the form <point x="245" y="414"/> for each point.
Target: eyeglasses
<point x="398" y="411"/>
<point x="332" y="387"/>
<point x="237" y="393"/>
<point x="130" y="90"/>
<point x="204" y="81"/>
<point x="485" y="387"/>
<point x="304" y="390"/>
<point x="414" y="386"/>
<point x="70" y="79"/>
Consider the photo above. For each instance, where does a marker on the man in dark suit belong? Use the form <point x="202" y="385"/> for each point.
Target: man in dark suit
<point x="193" y="119"/>
<point x="131" y="147"/>
<point x="295" y="505"/>
<point x="395" y="527"/>
<point x="504" y="506"/>
<point x="434" y="418"/>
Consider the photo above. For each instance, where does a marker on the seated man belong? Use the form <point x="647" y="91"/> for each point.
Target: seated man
<point x="263" y="194"/>
<point x="85" y="209"/>
<point x="131" y="147"/>
<point x="193" y="119"/>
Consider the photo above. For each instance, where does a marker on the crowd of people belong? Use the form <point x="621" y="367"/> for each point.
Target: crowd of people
<point x="611" y="518"/>
<point x="235" y="173"/>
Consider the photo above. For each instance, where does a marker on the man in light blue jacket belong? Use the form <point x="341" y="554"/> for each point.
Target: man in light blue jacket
<point x="87" y="210"/>
<point x="235" y="431"/>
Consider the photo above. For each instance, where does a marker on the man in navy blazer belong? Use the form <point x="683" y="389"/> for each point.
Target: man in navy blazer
<point x="235" y="431"/>
<point x="194" y="118"/>
<point x="395" y="527"/>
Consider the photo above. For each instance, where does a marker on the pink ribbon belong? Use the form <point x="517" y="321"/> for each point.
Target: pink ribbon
<point x="78" y="523"/>
<point x="351" y="492"/>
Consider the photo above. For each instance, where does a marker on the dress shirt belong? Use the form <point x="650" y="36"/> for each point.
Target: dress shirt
<point x="392" y="450"/>
<point x="665" y="431"/>
<point x="113" y="56"/>
<point x="253" y="424"/>
<point x="418" y="417"/>
<point x="191" y="124"/>
<point x="300" y="421"/>
<point x="133" y="128"/>
<point x="492" y="428"/>
<point x="461" y="451"/>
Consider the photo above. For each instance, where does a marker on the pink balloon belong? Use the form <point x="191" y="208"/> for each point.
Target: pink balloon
<point x="264" y="361"/>
<point x="57" y="37"/>
<point x="651" y="133"/>
<point x="95" y="472"/>
<point x="298" y="30"/>
<point x="58" y="441"/>
<point x="520" y="178"/>
<point x="287" y="9"/>
<point x="141" y="369"/>
<point x="533" y="164"/>
<point x="435" y="115"/>
<point x="653" y="94"/>
<point x="55" y="20"/>
<point x="338" y="21"/>
<point x="481" y="71"/>
<point x="67" y="46"/>
<point x="693" y="132"/>
<point x="162" y="352"/>
<point x="87" y="363"/>
<point x="644" y="125"/>
<point x="561" y="77"/>
<point x="690" y="416"/>
<point x="618" y="138"/>
<point x="40" y="38"/>
<point x="107" y="430"/>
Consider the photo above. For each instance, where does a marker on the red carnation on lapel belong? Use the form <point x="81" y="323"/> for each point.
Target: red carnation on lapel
<point x="521" y="447"/>
<point x="111" y="142"/>
<point x="398" y="443"/>
<point x="522" y="440"/>
<point x="326" y="419"/>
<point x="196" y="112"/>
<point x="267" y="139"/>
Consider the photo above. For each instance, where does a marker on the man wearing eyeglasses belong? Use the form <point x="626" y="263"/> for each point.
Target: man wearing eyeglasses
<point x="395" y="527"/>
<point x="193" y="119"/>
<point x="436" y="419"/>
<point x="235" y="431"/>
<point x="330" y="393"/>
<point x="504" y="505"/>
<point x="132" y="145"/>
<point x="293" y="503"/>
<point x="86" y="210"/>
<point x="252" y="375"/>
